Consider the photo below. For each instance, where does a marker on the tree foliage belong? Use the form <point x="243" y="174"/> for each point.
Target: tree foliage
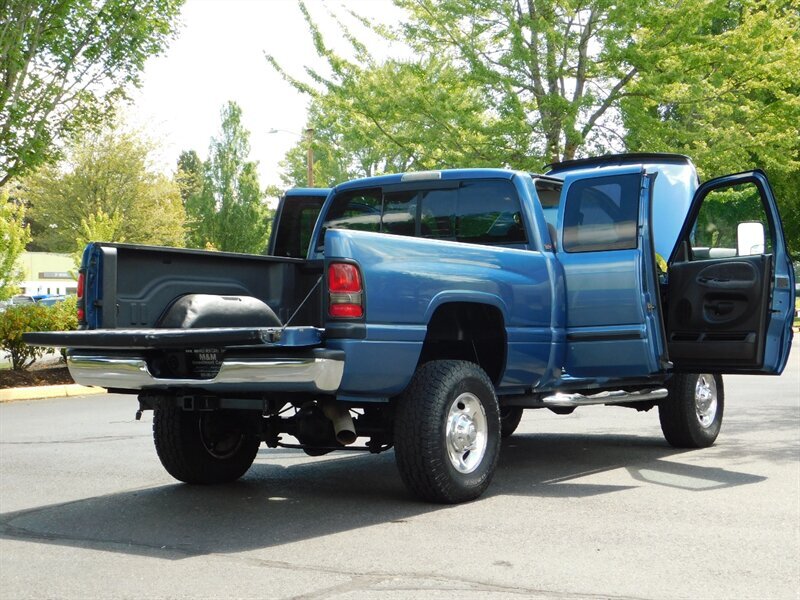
<point x="554" y="67"/>
<point x="65" y="64"/>
<point x="507" y="83"/>
<point x="14" y="234"/>
<point x="726" y="92"/>
<point x="98" y="227"/>
<point x="106" y="187"/>
<point x="524" y="82"/>
<point x="399" y="116"/>
<point x="228" y="213"/>
<point x="189" y="174"/>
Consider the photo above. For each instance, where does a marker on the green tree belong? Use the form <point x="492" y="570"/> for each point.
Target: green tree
<point x="65" y="65"/>
<point x="726" y="91"/>
<point x="98" y="227"/>
<point x="363" y="126"/>
<point x="104" y="176"/>
<point x="557" y="68"/>
<point x="228" y="214"/>
<point x="189" y="174"/>
<point x="14" y="234"/>
<point x="538" y="80"/>
<point x="525" y="83"/>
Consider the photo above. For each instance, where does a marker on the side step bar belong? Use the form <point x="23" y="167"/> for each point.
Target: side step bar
<point x="617" y="397"/>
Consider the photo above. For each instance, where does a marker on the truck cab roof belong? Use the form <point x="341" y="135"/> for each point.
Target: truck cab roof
<point x="422" y="176"/>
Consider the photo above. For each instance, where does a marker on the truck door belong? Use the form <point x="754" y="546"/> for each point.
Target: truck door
<point x="613" y="323"/>
<point x="294" y="221"/>
<point x="730" y="297"/>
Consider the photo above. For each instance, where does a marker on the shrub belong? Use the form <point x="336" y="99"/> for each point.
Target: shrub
<point x="16" y="320"/>
<point x="22" y="318"/>
<point x="65" y="314"/>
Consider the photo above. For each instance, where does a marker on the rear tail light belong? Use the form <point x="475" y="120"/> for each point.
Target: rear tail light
<point x="81" y="301"/>
<point x="345" y="293"/>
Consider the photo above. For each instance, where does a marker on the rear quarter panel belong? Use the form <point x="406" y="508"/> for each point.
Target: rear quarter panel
<point x="406" y="279"/>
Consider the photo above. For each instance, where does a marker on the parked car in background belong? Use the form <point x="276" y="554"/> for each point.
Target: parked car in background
<point x="51" y="300"/>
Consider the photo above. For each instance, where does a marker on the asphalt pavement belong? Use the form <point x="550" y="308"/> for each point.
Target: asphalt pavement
<point x="594" y="504"/>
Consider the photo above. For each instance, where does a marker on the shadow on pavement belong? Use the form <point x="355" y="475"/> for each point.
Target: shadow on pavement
<point x="548" y="466"/>
<point x="275" y="505"/>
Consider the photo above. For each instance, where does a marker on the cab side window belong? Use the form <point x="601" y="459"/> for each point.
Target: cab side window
<point x="488" y="212"/>
<point x="359" y="210"/>
<point x="439" y="214"/>
<point x="602" y="214"/>
<point x="477" y="212"/>
<point x="400" y="213"/>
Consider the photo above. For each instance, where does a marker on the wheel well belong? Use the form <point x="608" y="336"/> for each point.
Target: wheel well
<point x="467" y="331"/>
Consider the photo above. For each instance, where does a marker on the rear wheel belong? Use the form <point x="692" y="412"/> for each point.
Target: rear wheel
<point x="447" y="432"/>
<point x="691" y="416"/>
<point x="203" y="447"/>
<point x="510" y="417"/>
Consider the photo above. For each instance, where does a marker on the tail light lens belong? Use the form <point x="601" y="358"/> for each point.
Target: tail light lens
<point x="81" y="291"/>
<point x="345" y="293"/>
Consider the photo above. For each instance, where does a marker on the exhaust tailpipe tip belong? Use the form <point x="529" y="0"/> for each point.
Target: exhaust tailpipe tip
<point x="343" y="424"/>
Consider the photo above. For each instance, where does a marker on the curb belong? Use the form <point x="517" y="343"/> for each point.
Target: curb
<point x="47" y="391"/>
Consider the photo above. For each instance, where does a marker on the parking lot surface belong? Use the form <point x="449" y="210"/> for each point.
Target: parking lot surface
<point x="594" y="504"/>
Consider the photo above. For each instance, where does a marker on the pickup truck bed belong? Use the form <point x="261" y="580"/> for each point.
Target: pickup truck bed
<point x="141" y="283"/>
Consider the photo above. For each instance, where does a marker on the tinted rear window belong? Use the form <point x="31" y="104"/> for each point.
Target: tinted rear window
<point x="481" y="212"/>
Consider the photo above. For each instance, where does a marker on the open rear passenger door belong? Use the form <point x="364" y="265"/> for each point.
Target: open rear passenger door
<point x="730" y="296"/>
<point x="294" y="222"/>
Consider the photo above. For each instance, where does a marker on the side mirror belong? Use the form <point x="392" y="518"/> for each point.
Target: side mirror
<point x="749" y="239"/>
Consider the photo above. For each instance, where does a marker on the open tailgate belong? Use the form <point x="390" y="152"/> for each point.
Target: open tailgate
<point x="148" y="339"/>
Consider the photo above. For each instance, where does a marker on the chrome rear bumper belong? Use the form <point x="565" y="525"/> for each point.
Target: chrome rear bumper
<point x="309" y="374"/>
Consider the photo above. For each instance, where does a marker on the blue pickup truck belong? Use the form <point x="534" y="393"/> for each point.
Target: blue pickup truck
<point x="425" y="311"/>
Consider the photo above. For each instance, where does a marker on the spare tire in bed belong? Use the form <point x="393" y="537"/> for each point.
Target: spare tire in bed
<point x="208" y="310"/>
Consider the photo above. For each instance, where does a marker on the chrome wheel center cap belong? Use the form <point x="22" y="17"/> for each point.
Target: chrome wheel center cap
<point x="464" y="433"/>
<point x="704" y="398"/>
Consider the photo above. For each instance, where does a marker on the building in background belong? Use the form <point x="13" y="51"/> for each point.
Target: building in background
<point x="48" y="274"/>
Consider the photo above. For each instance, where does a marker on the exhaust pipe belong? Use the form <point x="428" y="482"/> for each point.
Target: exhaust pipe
<point x="343" y="424"/>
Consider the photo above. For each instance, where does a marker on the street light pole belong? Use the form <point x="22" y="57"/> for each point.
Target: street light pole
<point x="310" y="157"/>
<point x="309" y="152"/>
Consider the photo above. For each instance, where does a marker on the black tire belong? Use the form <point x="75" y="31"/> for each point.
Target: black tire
<point x="430" y="464"/>
<point x="691" y="416"/>
<point x="203" y="447"/>
<point x="510" y="417"/>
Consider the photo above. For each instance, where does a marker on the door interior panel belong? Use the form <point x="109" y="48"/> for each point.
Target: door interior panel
<point x="716" y="312"/>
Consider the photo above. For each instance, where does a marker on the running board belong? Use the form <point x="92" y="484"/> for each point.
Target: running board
<point x="618" y="397"/>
